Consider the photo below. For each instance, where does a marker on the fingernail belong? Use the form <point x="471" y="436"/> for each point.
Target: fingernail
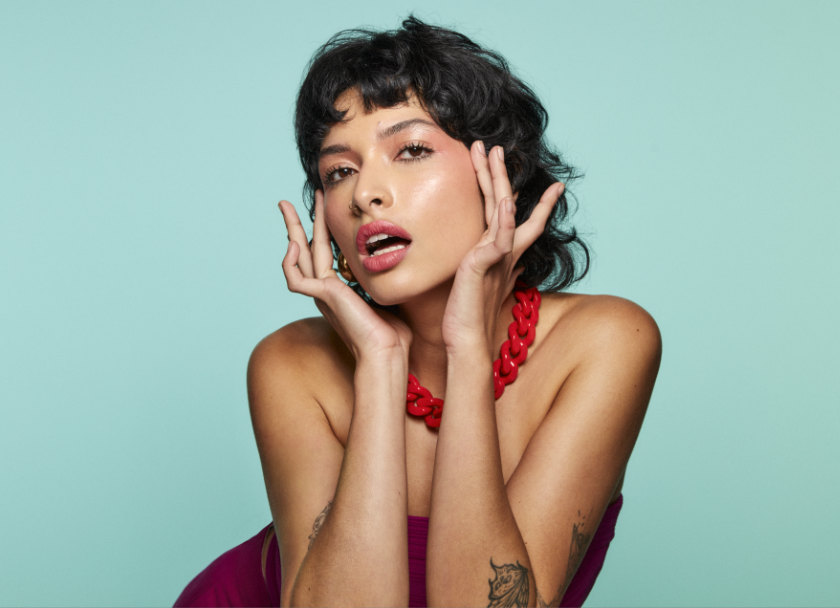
<point x="481" y="147"/>
<point x="500" y="152"/>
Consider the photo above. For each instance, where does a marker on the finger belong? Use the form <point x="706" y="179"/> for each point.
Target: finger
<point x="507" y="226"/>
<point x="485" y="180"/>
<point x="322" y="257"/>
<point x="501" y="183"/>
<point x="297" y="281"/>
<point x="290" y="267"/>
<point x="297" y="235"/>
<point x="530" y="230"/>
<point x="491" y="252"/>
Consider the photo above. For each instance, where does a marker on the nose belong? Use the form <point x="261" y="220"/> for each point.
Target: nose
<point x="371" y="189"/>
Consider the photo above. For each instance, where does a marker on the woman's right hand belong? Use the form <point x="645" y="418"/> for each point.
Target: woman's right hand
<point x="308" y="268"/>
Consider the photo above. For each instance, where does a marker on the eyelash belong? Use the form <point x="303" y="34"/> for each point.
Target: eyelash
<point x="332" y="175"/>
<point x="418" y="147"/>
<point x="328" y="179"/>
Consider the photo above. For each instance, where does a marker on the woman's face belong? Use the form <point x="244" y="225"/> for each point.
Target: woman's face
<point x="400" y="196"/>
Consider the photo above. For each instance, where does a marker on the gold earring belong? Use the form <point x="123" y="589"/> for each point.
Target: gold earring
<point x="344" y="269"/>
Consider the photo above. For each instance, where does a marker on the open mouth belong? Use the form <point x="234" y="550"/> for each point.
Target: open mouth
<point x="379" y="244"/>
<point x="381" y="237"/>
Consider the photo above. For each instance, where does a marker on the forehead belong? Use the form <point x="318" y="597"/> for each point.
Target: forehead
<point x="359" y="120"/>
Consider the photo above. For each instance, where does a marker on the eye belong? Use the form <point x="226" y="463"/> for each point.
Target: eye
<point x="414" y="151"/>
<point x="335" y="175"/>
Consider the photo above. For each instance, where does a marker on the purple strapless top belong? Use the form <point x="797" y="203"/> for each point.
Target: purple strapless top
<point x="236" y="577"/>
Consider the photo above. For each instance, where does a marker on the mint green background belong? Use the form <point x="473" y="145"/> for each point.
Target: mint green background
<point x="143" y="148"/>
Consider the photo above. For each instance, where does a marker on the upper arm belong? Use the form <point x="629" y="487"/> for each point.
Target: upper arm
<point x="300" y="454"/>
<point x="574" y="461"/>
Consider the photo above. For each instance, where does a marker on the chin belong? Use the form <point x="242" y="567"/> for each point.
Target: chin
<point x="386" y="296"/>
<point x="401" y="290"/>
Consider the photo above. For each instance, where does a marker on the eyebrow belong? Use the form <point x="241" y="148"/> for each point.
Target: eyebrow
<point x="334" y="149"/>
<point x="402" y="126"/>
<point x="383" y="134"/>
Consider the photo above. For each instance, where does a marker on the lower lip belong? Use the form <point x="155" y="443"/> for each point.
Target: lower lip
<point x="385" y="261"/>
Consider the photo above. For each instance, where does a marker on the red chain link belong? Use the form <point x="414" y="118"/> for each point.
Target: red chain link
<point x="420" y="402"/>
<point x="526" y="312"/>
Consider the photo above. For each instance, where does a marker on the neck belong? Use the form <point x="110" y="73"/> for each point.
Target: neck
<point x="427" y="357"/>
<point x="424" y="316"/>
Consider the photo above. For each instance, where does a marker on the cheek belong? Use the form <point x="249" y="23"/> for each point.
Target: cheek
<point x="337" y="225"/>
<point x="468" y="201"/>
<point x="454" y="187"/>
<point x="463" y="180"/>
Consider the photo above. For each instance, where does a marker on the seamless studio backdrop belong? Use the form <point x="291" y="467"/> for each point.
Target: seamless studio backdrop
<point x="143" y="149"/>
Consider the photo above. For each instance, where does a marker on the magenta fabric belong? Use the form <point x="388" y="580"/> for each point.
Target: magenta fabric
<point x="236" y="579"/>
<point x="418" y="532"/>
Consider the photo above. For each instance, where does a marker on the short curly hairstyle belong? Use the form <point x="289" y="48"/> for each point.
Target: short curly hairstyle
<point x="472" y="94"/>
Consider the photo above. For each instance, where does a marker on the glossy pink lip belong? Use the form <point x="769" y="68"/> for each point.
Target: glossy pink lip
<point x="384" y="261"/>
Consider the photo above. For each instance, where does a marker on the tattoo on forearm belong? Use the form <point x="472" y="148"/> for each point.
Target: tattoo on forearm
<point x="319" y="521"/>
<point x="510" y="587"/>
<point x="577" y="549"/>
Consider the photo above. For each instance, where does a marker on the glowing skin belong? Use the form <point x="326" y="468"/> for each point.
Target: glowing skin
<point x="396" y="165"/>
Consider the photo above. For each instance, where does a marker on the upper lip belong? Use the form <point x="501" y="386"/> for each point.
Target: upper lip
<point x="366" y="231"/>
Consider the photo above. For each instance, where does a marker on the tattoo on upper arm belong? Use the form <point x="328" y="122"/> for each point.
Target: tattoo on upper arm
<point x="319" y="521"/>
<point x="510" y="587"/>
<point x="577" y="549"/>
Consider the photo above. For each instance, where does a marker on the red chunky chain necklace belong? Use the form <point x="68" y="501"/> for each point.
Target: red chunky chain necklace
<point x="419" y="400"/>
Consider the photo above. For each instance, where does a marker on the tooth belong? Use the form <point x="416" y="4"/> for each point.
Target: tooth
<point x="387" y="250"/>
<point x="375" y="238"/>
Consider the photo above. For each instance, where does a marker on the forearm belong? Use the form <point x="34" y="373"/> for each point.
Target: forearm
<point x="359" y="554"/>
<point x="471" y="522"/>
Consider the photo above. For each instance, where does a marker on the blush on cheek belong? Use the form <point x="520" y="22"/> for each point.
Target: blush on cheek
<point x="334" y="228"/>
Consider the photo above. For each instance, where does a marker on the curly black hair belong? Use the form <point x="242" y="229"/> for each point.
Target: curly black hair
<point x="472" y="94"/>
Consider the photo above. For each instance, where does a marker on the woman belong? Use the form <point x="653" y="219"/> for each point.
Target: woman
<point x="432" y="185"/>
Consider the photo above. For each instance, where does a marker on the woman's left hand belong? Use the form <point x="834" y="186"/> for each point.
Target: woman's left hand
<point x="487" y="274"/>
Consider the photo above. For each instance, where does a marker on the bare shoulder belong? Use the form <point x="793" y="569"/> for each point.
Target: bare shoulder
<point x="304" y="350"/>
<point x="600" y="349"/>
<point x="593" y="324"/>
<point x="301" y="366"/>
<point x="312" y="337"/>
